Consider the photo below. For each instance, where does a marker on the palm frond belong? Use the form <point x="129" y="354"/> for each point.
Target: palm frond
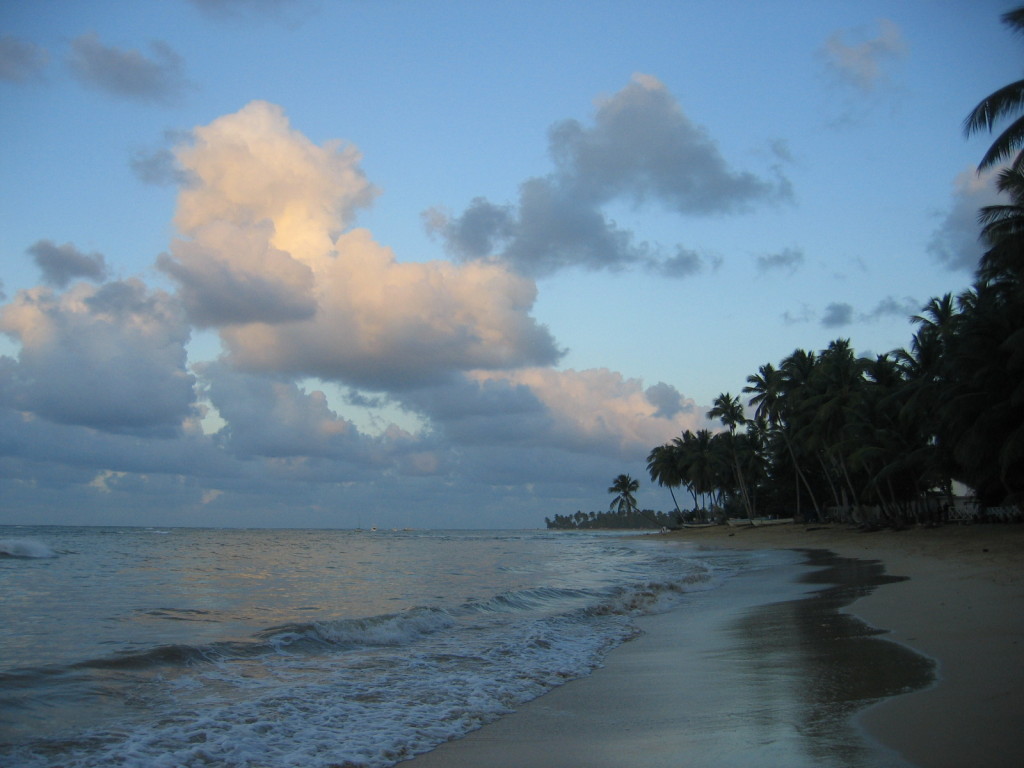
<point x="1008" y="143"/>
<point x="1014" y="19"/>
<point x="1007" y="100"/>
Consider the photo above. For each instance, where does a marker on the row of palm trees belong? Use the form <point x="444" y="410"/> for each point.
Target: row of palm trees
<point x="829" y="429"/>
<point x="634" y="519"/>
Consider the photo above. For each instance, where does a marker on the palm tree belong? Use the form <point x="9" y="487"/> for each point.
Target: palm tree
<point x="663" y="466"/>
<point x="684" y="450"/>
<point x="766" y="386"/>
<point x="982" y="412"/>
<point x="624" y="487"/>
<point x="769" y="389"/>
<point x="1005" y="102"/>
<point x="701" y="460"/>
<point x="834" y="390"/>
<point x="729" y="411"/>
<point x="1003" y="231"/>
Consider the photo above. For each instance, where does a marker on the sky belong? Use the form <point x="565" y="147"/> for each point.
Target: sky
<point x="313" y="263"/>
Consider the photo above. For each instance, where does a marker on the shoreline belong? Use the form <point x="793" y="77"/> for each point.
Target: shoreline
<point x="956" y="599"/>
<point x="961" y="604"/>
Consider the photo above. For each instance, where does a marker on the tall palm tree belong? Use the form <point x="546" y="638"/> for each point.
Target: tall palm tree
<point x="727" y="409"/>
<point x="836" y="386"/>
<point x="768" y="387"/>
<point x="700" y="458"/>
<point x="663" y="466"/>
<point x="1005" y="102"/>
<point x="624" y="487"/>
<point x="685" y="449"/>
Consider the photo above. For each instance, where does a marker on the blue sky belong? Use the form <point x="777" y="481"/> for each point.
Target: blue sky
<point x="450" y="264"/>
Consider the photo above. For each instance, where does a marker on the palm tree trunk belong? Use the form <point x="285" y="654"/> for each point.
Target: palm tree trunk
<point x="828" y="477"/>
<point x="676" y="503"/>
<point x="800" y="474"/>
<point x="743" y="487"/>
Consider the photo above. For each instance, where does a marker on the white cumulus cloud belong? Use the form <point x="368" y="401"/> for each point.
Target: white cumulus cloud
<point x="267" y="257"/>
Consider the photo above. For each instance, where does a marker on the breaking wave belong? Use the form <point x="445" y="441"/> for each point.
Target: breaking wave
<point x="26" y="549"/>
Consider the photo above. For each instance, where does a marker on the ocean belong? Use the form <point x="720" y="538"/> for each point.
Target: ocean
<point x="195" y="647"/>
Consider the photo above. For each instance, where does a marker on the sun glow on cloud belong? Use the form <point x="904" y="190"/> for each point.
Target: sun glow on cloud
<point x="601" y="407"/>
<point x="267" y="259"/>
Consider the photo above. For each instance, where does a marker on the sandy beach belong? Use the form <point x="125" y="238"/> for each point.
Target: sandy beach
<point x="780" y="678"/>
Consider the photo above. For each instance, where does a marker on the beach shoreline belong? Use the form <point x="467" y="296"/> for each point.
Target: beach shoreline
<point x="958" y="602"/>
<point x="962" y="604"/>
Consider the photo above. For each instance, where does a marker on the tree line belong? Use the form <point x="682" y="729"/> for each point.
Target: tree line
<point x="623" y="512"/>
<point x="831" y="431"/>
<point x="613" y="520"/>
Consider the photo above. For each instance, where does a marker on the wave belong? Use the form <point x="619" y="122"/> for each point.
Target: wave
<point x="390" y="629"/>
<point x="25" y="549"/>
<point x="530" y="599"/>
<point x="327" y="636"/>
<point x="627" y="600"/>
<point x="387" y="630"/>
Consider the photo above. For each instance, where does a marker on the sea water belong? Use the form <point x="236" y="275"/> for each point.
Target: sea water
<point x="196" y="647"/>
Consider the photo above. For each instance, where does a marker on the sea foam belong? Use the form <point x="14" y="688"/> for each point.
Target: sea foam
<point x="25" y="548"/>
<point x="374" y="648"/>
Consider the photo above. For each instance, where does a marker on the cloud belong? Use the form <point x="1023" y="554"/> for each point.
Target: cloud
<point x="643" y="146"/>
<point x="128" y="74"/>
<point x="840" y="313"/>
<point x="266" y="258"/>
<point x="61" y="264"/>
<point x="20" y="60"/>
<point x="108" y="357"/>
<point x="788" y="260"/>
<point x="476" y="411"/>
<point x="667" y="399"/>
<point x="48" y="453"/>
<point x="233" y="9"/>
<point x="100" y="405"/>
<point x="274" y="417"/>
<point x="385" y="325"/>
<point x="576" y="419"/>
<point x="598" y="410"/>
<point x="640" y="149"/>
<point x="837" y="314"/>
<point x="159" y="166"/>
<point x="956" y="243"/>
<point x="891" y="307"/>
<point x="685" y="263"/>
<point x="231" y="274"/>
<point x="805" y="315"/>
<point x="864" y="64"/>
<point x="252" y="167"/>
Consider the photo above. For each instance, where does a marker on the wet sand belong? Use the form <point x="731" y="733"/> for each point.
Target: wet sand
<point x="774" y="676"/>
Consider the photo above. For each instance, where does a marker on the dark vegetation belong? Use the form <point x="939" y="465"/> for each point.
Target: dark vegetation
<point x="637" y="520"/>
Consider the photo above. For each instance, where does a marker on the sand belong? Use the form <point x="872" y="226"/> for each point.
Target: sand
<point x="741" y="687"/>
